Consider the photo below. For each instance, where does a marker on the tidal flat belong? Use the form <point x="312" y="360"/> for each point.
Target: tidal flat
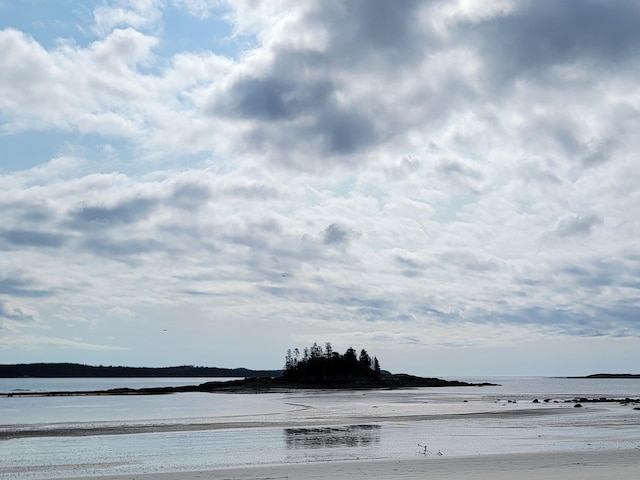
<point x="224" y="435"/>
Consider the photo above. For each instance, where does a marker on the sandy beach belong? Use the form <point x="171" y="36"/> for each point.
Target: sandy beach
<point x="593" y="465"/>
<point x="492" y="433"/>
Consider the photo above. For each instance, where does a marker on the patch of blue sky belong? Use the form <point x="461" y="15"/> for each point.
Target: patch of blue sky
<point x="48" y="21"/>
<point x="182" y="32"/>
<point x="451" y="209"/>
<point x="344" y="186"/>
<point x="368" y="189"/>
<point x="25" y="150"/>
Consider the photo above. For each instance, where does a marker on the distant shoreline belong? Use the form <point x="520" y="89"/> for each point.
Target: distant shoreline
<point x="77" y="370"/>
<point x="608" y="375"/>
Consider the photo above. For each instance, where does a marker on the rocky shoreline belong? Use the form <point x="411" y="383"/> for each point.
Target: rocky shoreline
<point x="578" y="401"/>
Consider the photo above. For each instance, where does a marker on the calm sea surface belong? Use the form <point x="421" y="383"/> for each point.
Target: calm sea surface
<point x="253" y="429"/>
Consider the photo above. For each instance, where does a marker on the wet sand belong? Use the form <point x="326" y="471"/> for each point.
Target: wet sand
<point x="76" y="431"/>
<point x="554" y="453"/>
<point x="592" y="465"/>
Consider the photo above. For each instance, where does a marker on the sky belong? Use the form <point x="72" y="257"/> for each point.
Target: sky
<point x="451" y="184"/>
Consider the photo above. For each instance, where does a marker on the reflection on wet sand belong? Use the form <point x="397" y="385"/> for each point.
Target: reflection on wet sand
<point x="328" y="437"/>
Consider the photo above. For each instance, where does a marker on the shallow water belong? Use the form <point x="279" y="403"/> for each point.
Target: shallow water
<point x="104" y="383"/>
<point x="314" y="426"/>
<point x="190" y="407"/>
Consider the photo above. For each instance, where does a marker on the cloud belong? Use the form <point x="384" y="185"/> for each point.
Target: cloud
<point x="538" y="36"/>
<point x="17" y="285"/>
<point x="598" y="151"/>
<point x="381" y="30"/>
<point x="335" y="234"/>
<point x="71" y="88"/>
<point x="123" y="213"/>
<point x="122" y="312"/>
<point x="115" y="248"/>
<point x="326" y="110"/>
<point x="308" y="109"/>
<point x="201" y="9"/>
<point x="578" y="225"/>
<point x="17" y="313"/>
<point x="37" y="342"/>
<point x="32" y="238"/>
<point x="271" y="99"/>
<point x="139" y="14"/>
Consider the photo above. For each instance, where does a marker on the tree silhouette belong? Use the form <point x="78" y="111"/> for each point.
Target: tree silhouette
<point x="364" y="360"/>
<point x="318" y="364"/>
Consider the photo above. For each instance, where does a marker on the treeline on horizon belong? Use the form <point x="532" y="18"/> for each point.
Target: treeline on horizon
<point x="76" y="370"/>
<point x="317" y="363"/>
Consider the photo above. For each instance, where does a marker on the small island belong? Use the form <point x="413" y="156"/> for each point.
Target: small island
<point x="314" y="368"/>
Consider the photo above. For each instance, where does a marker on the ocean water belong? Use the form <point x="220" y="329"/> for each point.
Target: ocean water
<point x="199" y="431"/>
<point x="87" y="384"/>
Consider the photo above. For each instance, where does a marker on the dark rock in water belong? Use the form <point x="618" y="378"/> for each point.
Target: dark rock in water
<point x="536" y="401"/>
<point x="577" y="405"/>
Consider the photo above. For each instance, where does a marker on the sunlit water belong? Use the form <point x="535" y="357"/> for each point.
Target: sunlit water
<point x="305" y="426"/>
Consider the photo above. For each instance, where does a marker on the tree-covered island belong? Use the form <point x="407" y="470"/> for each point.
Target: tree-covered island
<point x="325" y="368"/>
<point x="318" y="365"/>
<point x="314" y="368"/>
